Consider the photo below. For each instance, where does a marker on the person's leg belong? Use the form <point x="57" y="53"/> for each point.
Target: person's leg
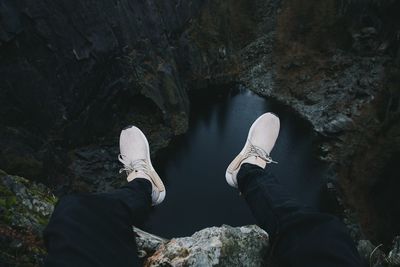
<point x="96" y="229"/>
<point x="299" y="235"/>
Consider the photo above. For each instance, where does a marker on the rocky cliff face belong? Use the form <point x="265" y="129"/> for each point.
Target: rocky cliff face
<point x="74" y="73"/>
<point x="337" y="64"/>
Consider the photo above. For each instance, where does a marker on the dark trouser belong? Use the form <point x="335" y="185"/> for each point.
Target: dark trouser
<point x="95" y="230"/>
<point x="300" y="236"/>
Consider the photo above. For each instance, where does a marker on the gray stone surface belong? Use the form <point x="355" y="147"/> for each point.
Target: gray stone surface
<point x="25" y="208"/>
<point x="215" y="246"/>
<point x="343" y="78"/>
<point x="338" y="124"/>
<point x="394" y="254"/>
<point x="147" y="243"/>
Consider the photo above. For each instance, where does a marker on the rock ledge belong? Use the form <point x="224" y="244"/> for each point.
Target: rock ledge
<point x="214" y="246"/>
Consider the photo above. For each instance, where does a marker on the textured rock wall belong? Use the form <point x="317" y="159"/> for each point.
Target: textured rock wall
<point x="337" y="64"/>
<point x="74" y="72"/>
<point x="63" y="56"/>
<point x="345" y="79"/>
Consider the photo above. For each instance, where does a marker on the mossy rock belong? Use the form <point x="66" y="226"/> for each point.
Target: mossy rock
<point x="25" y="208"/>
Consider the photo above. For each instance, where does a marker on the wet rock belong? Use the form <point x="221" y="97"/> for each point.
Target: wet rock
<point x="224" y="246"/>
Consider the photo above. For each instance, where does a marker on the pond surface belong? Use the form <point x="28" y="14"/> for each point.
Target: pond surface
<point x="193" y="166"/>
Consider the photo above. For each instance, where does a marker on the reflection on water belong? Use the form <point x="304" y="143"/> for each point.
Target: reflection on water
<point x="193" y="167"/>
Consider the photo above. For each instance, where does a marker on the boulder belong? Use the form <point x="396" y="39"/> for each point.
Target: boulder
<point x="215" y="246"/>
<point x="25" y="208"/>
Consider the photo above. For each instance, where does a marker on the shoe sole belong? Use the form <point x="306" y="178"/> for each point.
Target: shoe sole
<point x="161" y="194"/>
<point x="228" y="175"/>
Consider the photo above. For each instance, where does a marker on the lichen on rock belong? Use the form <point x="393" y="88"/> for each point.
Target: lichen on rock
<point x="25" y="208"/>
<point x="215" y="246"/>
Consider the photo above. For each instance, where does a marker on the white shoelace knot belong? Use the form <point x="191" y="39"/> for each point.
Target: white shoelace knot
<point x="259" y="152"/>
<point x="139" y="165"/>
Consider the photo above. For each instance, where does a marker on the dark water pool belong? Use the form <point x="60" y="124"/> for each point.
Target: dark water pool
<point x="193" y="167"/>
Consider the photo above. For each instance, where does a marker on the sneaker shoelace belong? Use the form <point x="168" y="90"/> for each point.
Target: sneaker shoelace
<point x="259" y="152"/>
<point x="138" y="165"/>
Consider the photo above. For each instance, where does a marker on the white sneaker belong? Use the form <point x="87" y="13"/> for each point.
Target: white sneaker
<point x="135" y="155"/>
<point x="260" y="141"/>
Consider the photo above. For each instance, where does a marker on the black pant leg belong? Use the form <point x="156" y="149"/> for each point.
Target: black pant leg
<point x="300" y="236"/>
<point x="96" y="229"/>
